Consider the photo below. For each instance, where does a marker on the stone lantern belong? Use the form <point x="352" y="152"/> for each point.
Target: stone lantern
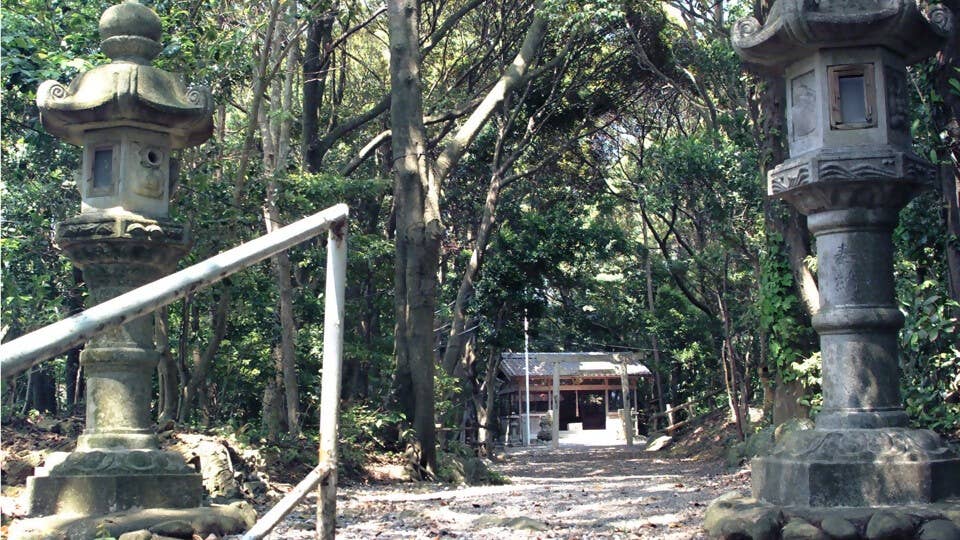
<point x="851" y="169"/>
<point x="128" y="117"/>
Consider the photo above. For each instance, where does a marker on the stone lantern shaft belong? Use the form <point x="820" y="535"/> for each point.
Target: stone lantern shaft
<point x="859" y="320"/>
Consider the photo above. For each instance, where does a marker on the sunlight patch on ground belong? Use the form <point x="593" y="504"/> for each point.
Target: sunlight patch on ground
<point x="606" y="479"/>
<point x="461" y="493"/>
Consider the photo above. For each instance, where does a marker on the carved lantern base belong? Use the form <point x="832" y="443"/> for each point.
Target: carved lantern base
<point x="118" y="463"/>
<point x="99" y="482"/>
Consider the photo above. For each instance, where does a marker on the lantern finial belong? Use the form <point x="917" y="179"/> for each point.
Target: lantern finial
<point x="130" y="32"/>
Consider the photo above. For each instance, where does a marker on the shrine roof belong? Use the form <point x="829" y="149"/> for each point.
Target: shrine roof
<point x="605" y="364"/>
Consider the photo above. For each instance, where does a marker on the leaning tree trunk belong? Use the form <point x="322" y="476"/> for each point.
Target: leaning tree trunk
<point x="202" y="363"/>
<point x="728" y="359"/>
<point x="458" y="335"/>
<point x="416" y="202"/>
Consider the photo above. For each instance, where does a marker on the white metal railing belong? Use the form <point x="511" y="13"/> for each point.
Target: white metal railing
<point x="27" y="351"/>
<point x="21" y="354"/>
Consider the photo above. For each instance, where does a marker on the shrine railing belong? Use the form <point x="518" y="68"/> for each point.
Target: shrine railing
<point x="681" y="416"/>
<point x="31" y="349"/>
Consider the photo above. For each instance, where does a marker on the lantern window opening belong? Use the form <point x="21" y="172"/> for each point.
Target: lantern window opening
<point x="853" y="96"/>
<point x="103" y="168"/>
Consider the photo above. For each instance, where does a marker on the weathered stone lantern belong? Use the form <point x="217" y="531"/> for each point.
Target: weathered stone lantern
<point x="851" y="169"/>
<point x="129" y="117"/>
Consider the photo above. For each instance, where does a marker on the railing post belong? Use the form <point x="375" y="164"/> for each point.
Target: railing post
<point x="330" y="385"/>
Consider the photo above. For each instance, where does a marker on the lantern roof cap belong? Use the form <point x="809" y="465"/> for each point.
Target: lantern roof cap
<point x="797" y="28"/>
<point x="128" y="91"/>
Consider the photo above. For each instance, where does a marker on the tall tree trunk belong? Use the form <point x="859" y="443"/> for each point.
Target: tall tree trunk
<point x="260" y="83"/>
<point x="202" y="362"/>
<point x="418" y="232"/>
<point x="946" y="117"/>
<point x="728" y="358"/>
<point x="288" y="327"/>
<point x="282" y="267"/>
<point x="799" y="244"/>
<point x="486" y="416"/>
<point x="73" y="377"/>
<point x="275" y="128"/>
<point x="766" y="382"/>
<point x="950" y="188"/>
<point x="43" y="389"/>
<point x="654" y="341"/>
<point x="272" y="413"/>
<point x="188" y="315"/>
<point x="784" y="218"/>
<point x="488" y="433"/>
<point x="416" y="201"/>
<point x="316" y="61"/>
<point x="167" y="375"/>
<point x="797" y="240"/>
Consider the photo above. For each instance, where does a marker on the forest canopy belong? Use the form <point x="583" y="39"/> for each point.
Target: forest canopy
<point x="596" y="167"/>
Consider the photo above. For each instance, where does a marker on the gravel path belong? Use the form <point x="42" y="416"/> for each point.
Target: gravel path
<point x="576" y="492"/>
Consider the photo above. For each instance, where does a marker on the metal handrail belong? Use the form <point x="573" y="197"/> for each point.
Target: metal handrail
<point x="268" y="521"/>
<point x="21" y="354"/>
<point x="27" y="351"/>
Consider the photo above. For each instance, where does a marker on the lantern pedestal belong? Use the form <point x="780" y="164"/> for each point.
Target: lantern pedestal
<point x="118" y="463"/>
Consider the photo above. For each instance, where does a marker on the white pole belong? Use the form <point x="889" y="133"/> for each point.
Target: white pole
<point x="526" y="376"/>
<point x="556" y="405"/>
<point x="333" y="318"/>
<point x="626" y="404"/>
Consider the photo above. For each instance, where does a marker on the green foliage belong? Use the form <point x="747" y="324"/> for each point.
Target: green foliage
<point x="930" y="339"/>
<point x="365" y="431"/>
<point x="781" y="315"/>
<point x="808" y="370"/>
<point x="583" y="15"/>
<point x="103" y="532"/>
<point x="930" y="357"/>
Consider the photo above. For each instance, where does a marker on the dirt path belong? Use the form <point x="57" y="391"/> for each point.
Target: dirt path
<point x="577" y="492"/>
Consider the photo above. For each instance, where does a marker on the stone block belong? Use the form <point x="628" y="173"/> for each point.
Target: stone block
<point x="659" y="443"/>
<point x="93" y="494"/>
<point x="142" y="534"/>
<point x="798" y="529"/>
<point x="940" y="529"/>
<point x="890" y="525"/>
<point x="735" y="516"/>
<point x="857" y="468"/>
<point x="838" y="528"/>
<point x="175" y="528"/>
<point x="219" y="520"/>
